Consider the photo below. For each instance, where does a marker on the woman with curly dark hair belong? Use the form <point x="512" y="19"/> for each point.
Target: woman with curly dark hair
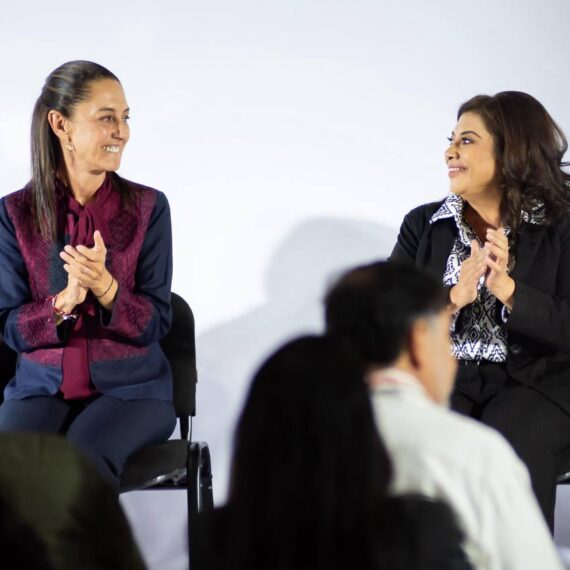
<point x="310" y="477"/>
<point x="501" y="244"/>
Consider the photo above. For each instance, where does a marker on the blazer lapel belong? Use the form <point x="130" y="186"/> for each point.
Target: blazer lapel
<point x="527" y="249"/>
<point x="436" y="245"/>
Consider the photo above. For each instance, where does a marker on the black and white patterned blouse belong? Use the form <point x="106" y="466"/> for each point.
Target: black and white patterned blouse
<point x="483" y="333"/>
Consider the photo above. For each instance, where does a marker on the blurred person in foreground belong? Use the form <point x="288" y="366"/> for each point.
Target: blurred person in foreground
<point x="397" y="318"/>
<point x="51" y="495"/>
<point x="310" y="476"/>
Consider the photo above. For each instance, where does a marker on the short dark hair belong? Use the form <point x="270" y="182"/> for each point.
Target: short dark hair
<point x="20" y="542"/>
<point x="309" y="468"/>
<point x="375" y="306"/>
<point x="529" y="148"/>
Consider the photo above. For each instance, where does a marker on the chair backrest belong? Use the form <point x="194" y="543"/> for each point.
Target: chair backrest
<point x="179" y="345"/>
<point x="8" y="360"/>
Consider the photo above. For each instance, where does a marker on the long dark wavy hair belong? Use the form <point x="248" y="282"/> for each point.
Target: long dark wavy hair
<point x="309" y="469"/>
<point x="529" y="148"/>
<point x="64" y="88"/>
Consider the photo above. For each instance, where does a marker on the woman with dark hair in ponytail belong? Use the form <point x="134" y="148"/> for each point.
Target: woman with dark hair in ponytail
<point x="500" y="242"/>
<point x="86" y="266"/>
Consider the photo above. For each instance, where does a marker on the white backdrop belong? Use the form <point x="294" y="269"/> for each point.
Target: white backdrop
<point x="289" y="136"/>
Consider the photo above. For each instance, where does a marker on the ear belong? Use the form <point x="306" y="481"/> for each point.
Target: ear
<point x="59" y="125"/>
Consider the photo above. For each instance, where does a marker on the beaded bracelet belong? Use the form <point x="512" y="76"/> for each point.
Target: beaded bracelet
<point x="61" y="316"/>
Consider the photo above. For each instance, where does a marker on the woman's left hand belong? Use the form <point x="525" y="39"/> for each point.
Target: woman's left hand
<point x="87" y="264"/>
<point x="497" y="260"/>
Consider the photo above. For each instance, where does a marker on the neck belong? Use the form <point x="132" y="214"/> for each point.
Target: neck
<point x="487" y="207"/>
<point x="373" y="376"/>
<point x="84" y="185"/>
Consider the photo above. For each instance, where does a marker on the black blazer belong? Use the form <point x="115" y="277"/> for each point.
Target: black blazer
<point x="538" y="329"/>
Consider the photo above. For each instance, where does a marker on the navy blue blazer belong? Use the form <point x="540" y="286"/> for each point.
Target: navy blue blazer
<point x="125" y="358"/>
<point x="538" y="329"/>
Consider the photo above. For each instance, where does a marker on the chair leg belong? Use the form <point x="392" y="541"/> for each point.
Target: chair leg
<point x="199" y="478"/>
<point x="206" y="490"/>
<point x="199" y="485"/>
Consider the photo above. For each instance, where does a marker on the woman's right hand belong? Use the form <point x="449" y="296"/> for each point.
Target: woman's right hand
<point x="74" y="294"/>
<point x="472" y="269"/>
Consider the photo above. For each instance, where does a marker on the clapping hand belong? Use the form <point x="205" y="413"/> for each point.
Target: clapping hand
<point x="470" y="272"/>
<point x="497" y="263"/>
<point x="87" y="265"/>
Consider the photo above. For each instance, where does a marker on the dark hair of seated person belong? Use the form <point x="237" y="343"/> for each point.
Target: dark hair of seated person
<point x="21" y="547"/>
<point x="375" y="306"/>
<point x="310" y="476"/>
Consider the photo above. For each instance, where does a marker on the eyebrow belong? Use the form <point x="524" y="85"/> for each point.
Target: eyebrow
<point x="107" y="109"/>
<point x="467" y="133"/>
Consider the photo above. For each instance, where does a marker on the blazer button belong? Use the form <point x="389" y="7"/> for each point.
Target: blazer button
<point x="515" y="348"/>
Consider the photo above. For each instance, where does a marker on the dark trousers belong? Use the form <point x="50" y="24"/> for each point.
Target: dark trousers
<point x="106" y="429"/>
<point x="537" y="429"/>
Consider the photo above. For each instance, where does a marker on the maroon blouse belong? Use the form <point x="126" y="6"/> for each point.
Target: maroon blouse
<point x="81" y="222"/>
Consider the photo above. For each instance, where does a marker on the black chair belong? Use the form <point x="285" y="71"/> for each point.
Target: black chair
<point x="564" y="467"/>
<point x="178" y="463"/>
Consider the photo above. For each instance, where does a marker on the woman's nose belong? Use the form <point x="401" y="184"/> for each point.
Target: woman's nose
<point x="451" y="152"/>
<point x="121" y="130"/>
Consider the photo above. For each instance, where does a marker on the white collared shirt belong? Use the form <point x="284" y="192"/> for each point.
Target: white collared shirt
<point x="441" y="454"/>
<point x="481" y="336"/>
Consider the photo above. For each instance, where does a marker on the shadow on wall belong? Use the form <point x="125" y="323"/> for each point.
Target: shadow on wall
<point x="309" y="258"/>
